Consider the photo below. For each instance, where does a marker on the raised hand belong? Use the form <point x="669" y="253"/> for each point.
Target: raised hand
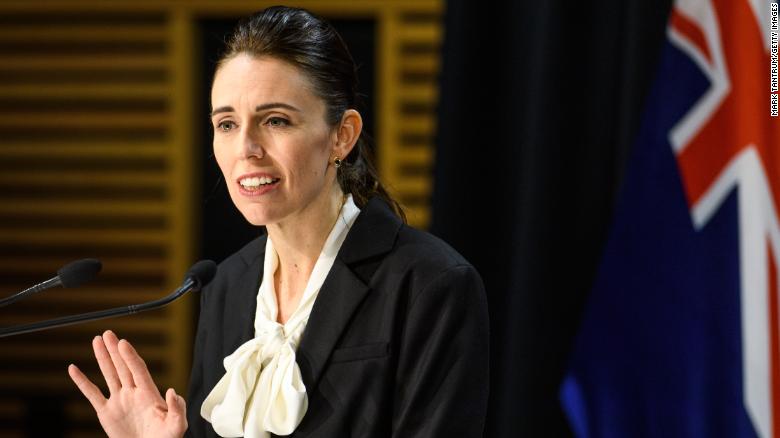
<point x="134" y="407"/>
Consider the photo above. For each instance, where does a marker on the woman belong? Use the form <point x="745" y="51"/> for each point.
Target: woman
<point x="341" y="321"/>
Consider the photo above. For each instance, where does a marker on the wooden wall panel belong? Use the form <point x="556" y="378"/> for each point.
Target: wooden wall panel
<point x="409" y="44"/>
<point x="96" y="147"/>
<point x="86" y="170"/>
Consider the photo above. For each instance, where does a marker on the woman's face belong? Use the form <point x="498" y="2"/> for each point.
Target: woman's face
<point x="271" y="140"/>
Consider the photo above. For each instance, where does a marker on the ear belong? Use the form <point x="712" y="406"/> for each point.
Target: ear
<point x="347" y="133"/>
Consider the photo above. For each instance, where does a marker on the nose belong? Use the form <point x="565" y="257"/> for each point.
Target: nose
<point x="249" y="145"/>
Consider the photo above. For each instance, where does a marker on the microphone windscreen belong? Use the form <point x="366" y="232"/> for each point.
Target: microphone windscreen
<point x="81" y="271"/>
<point x="202" y="273"/>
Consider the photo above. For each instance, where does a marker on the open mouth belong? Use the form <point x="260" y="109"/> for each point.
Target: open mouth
<point x="257" y="183"/>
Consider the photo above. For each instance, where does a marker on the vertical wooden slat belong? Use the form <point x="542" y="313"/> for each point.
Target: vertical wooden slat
<point x="409" y="41"/>
<point x="387" y="80"/>
<point x="182" y="183"/>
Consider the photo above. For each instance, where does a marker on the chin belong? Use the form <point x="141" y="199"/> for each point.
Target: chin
<point x="259" y="216"/>
<point x="257" y="220"/>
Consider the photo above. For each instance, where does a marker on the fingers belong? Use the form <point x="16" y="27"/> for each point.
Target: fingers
<point x="90" y="391"/>
<point x="112" y="344"/>
<point x="137" y="366"/>
<point x="176" y="409"/>
<point x="175" y="402"/>
<point x="106" y="364"/>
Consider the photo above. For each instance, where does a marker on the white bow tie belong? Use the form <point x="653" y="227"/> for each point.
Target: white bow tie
<point x="262" y="385"/>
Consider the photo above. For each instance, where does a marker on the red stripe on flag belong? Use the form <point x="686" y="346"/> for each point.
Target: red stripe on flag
<point x="741" y="120"/>
<point x="692" y="31"/>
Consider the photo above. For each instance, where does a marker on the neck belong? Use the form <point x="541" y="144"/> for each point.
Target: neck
<point x="299" y="240"/>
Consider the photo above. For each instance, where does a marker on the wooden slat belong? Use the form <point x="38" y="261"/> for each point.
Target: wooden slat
<point x="416" y="93"/>
<point x="421" y="33"/>
<point x="80" y="207"/>
<point x="66" y="178"/>
<point x="103" y="150"/>
<point x="81" y="63"/>
<point x="11" y="408"/>
<point x="113" y="91"/>
<point x="422" y="155"/>
<point x="65" y="32"/>
<point x="79" y="410"/>
<point x="419" y="125"/>
<point x="414" y="185"/>
<point x="103" y="298"/>
<point x="420" y="64"/>
<point x="183" y="31"/>
<point x="388" y="86"/>
<point x="57" y="237"/>
<point x="147" y="324"/>
<point x="43" y="264"/>
<point x="67" y="352"/>
<point x="44" y="382"/>
<point x="94" y="120"/>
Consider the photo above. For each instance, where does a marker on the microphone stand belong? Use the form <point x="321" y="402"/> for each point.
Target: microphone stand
<point x="189" y="284"/>
<point x="48" y="284"/>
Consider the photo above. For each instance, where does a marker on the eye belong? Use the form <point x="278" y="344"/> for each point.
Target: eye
<point x="226" y="125"/>
<point x="277" y="122"/>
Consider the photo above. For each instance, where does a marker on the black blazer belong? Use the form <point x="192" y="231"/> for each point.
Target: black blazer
<point x="396" y="344"/>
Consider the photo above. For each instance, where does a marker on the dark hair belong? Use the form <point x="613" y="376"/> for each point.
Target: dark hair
<point x="312" y="45"/>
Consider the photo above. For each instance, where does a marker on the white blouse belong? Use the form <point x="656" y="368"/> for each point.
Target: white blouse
<point x="262" y="391"/>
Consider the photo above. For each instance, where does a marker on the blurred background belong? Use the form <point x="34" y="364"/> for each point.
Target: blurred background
<point x="504" y="129"/>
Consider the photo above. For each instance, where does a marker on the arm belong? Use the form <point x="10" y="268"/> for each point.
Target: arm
<point x="442" y="375"/>
<point x="134" y="407"/>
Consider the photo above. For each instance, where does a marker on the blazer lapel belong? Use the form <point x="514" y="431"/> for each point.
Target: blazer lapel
<point x="242" y="301"/>
<point x="340" y="295"/>
<point x="373" y="234"/>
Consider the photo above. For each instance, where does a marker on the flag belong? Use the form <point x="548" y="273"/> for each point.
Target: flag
<point x="680" y="337"/>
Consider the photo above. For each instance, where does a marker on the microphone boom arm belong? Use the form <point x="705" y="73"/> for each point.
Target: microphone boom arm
<point x="189" y="284"/>
<point x="48" y="284"/>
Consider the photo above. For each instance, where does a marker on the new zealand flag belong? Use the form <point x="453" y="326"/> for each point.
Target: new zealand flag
<point x="681" y="334"/>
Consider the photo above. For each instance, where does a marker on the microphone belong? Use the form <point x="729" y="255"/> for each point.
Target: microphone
<point x="71" y="275"/>
<point x="199" y="275"/>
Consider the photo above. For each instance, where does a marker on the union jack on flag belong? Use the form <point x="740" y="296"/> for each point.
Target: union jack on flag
<point x="681" y="336"/>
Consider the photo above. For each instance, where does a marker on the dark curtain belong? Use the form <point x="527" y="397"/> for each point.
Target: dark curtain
<point x="540" y="103"/>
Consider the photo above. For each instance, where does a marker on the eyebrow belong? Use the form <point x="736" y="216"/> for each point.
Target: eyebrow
<point x="227" y="109"/>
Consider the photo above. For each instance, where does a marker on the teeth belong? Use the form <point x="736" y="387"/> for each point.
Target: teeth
<point x="256" y="181"/>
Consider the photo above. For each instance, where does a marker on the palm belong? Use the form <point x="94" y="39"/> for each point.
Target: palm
<point x="135" y="407"/>
<point x="134" y="412"/>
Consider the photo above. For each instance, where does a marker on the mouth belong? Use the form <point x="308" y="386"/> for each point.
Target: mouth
<point x="257" y="184"/>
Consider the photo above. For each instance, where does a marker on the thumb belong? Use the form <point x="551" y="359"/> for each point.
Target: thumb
<point x="176" y="408"/>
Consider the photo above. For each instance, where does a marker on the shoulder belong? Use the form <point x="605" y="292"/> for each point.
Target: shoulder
<point x="424" y="246"/>
<point x="396" y="258"/>
<point x="425" y="251"/>
<point x="402" y="255"/>
<point x="433" y="262"/>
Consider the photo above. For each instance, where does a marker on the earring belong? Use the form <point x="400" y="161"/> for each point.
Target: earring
<point x="337" y="162"/>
